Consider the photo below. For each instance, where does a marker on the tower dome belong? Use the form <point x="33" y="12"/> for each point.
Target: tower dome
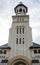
<point x="21" y="9"/>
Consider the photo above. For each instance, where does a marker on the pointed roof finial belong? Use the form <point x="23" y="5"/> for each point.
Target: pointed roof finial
<point x="20" y="2"/>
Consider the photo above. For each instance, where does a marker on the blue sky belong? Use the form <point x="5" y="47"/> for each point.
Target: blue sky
<point x="7" y="10"/>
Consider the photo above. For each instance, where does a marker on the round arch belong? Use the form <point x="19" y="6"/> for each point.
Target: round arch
<point x="22" y="59"/>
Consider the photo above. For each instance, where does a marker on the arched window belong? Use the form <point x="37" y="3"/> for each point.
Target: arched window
<point x="17" y="10"/>
<point x="23" y="30"/>
<point x="1" y="52"/>
<point x="20" y="41"/>
<point x="23" y="40"/>
<point x="17" y="30"/>
<point x="20" y="30"/>
<point x="20" y="10"/>
<point x="24" y="10"/>
<point x="16" y="40"/>
<point x="35" y="51"/>
<point x="38" y="51"/>
<point x="4" y="51"/>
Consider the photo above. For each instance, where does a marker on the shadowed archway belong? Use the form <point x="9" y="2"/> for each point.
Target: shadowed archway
<point x="19" y="60"/>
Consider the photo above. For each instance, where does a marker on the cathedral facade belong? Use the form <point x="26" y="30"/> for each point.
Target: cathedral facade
<point x="20" y="49"/>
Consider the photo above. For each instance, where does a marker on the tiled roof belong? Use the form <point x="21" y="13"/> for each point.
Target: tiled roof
<point x="35" y="45"/>
<point x="20" y="4"/>
<point x="5" y="46"/>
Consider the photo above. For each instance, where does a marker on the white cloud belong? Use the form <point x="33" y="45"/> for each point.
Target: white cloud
<point x="35" y="16"/>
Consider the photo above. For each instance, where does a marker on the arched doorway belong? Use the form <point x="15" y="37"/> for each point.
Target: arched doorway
<point x="20" y="60"/>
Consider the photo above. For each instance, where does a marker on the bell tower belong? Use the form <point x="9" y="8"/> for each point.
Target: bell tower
<point x="21" y="9"/>
<point x="20" y="37"/>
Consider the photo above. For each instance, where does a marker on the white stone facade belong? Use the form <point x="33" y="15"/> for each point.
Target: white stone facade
<point x="20" y="49"/>
<point x="20" y="46"/>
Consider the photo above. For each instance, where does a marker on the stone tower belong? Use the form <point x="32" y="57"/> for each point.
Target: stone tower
<point x="20" y="37"/>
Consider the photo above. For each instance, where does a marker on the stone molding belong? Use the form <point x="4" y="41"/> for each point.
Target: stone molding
<point x="19" y="57"/>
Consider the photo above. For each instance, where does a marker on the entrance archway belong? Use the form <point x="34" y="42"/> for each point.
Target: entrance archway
<point x="19" y="60"/>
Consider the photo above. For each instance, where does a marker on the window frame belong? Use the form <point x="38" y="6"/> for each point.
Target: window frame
<point x="39" y="51"/>
<point x="16" y="40"/>
<point x="23" y="30"/>
<point x="19" y="40"/>
<point x="23" y="40"/>
<point x="4" y="51"/>
<point x="35" y="51"/>
<point x="20" y="30"/>
<point x="20" y="10"/>
<point x="17" y="30"/>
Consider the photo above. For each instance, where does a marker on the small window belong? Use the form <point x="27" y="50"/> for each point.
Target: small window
<point x="16" y="40"/>
<point x="38" y="51"/>
<point x="4" y="61"/>
<point x="20" y="40"/>
<point x="35" y="61"/>
<point x="20" y="30"/>
<point x="23" y="30"/>
<point x="4" y="51"/>
<point x="35" y="51"/>
<point x="1" y="52"/>
<point x="20" y="10"/>
<point x="23" y="40"/>
<point x="17" y="10"/>
<point x="17" y="30"/>
<point x="24" y="10"/>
